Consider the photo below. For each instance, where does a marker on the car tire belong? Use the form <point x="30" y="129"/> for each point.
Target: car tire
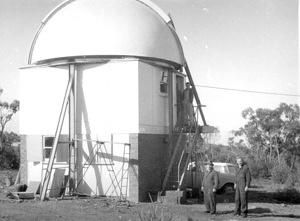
<point x="228" y="188"/>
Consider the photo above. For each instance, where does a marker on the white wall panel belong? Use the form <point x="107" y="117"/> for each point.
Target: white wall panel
<point x="153" y="105"/>
<point x="41" y="96"/>
<point x="108" y="98"/>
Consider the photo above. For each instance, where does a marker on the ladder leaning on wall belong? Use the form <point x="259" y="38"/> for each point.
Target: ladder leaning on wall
<point x="181" y="158"/>
<point x="193" y="133"/>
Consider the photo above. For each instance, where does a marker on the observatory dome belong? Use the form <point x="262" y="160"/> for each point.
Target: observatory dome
<point x="106" y="28"/>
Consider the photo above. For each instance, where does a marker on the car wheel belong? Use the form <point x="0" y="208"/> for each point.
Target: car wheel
<point x="228" y="188"/>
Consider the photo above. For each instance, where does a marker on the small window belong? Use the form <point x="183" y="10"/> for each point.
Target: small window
<point x="49" y="141"/>
<point x="62" y="154"/>
<point x="47" y="147"/>
<point x="164" y="83"/>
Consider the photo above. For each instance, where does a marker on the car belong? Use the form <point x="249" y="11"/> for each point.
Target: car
<point x="226" y="172"/>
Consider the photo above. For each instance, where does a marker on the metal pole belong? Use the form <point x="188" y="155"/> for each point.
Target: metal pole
<point x="56" y="139"/>
<point x="170" y="101"/>
<point x="72" y="130"/>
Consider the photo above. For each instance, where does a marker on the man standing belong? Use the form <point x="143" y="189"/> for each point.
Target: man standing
<point x="242" y="183"/>
<point x="188" y="98"/>
<point x="209" y="187"/>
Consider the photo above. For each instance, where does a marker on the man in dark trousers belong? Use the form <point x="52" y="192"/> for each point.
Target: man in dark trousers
<point x="188" y="108"/>
<point x="242" y="184"/>
<point x="209" y="188"/>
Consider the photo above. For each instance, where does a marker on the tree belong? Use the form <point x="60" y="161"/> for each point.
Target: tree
<point x="6" y="112"/>
<point x="271" y="135"/>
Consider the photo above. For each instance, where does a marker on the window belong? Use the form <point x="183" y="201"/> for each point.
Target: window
<point x="62" y="154"/>
<point x="47" y="147"/>
<point x="164" y="82"/>
<point x="219" y="169"/>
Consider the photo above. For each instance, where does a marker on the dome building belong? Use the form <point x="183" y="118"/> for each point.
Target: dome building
<point x="100" y="91"/>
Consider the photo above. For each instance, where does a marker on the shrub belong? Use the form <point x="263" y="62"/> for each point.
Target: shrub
<point x="287" y="195"/>
<point x="10" y="154"/>
<point x="10" y="158"/>
<point x="281" y="173"/>
<point x="292" y="179"/>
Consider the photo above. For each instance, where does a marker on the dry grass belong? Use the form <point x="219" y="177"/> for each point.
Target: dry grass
<point x="154" y="213"/>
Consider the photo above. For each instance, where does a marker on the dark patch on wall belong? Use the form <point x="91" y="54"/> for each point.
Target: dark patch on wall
<point x="152" y="157"/>
<point x="133" y="170"/>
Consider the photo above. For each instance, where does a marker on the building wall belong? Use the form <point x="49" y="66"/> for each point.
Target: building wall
<point x="41" y="94"/>
<point x="107" y="98"/>
<point x="152" y="158"/>
<point x="116" y="100"/>
<point x="153" y="104"/>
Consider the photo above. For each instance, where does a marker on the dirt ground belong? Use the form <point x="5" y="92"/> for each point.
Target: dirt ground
<point x="264" y="204"/>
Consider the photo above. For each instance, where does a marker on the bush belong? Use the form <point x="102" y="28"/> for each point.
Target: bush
<point x="10" y="158"/>
<point x="291" y="180"/>
<point x="281" y="174"/>
<point x="287" y="195"/>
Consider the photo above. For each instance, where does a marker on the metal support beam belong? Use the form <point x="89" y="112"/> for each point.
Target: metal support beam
<point x="170" y="102"/>
<point x="72" y="130"/>
<point x="47" y="177"/>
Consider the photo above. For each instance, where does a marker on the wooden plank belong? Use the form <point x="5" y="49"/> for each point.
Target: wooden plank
<point x="33" y="187"/>
<point x="208" y="129"/>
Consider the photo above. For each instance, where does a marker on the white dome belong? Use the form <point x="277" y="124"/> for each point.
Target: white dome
<point x="106" y="28"/>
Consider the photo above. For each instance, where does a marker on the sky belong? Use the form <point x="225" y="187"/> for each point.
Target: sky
<point x="236" y="44"/>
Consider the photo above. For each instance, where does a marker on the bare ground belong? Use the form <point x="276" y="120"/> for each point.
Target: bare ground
<point x="264" y="204"/>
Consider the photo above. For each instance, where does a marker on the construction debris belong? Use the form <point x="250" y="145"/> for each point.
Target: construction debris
<point x="31" y="191"/>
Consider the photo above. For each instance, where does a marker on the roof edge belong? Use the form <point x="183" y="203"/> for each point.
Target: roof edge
<point x="86" y="59"/>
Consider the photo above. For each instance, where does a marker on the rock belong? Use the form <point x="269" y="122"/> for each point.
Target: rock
<point x="21" y="187"/>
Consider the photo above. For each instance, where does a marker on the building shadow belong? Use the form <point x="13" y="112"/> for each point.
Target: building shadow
<point x="82" y="116"/>
<point x="253" y="197"/>
<point x="260" y="212"/>
<point x="256" y="196"/>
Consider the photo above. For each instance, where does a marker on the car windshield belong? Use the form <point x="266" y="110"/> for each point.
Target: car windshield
<point x="223" y="168"/>
<point x="219" y="168"/>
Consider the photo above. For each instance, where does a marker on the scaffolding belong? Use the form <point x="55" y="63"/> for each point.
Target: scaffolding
<point x="98" y="156"/>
